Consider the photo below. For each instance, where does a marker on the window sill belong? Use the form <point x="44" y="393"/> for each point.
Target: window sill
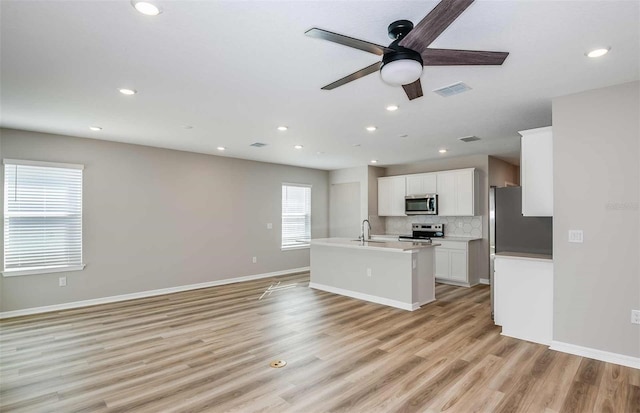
<point x="297" y="247"/>
<point x="17" y="272"/>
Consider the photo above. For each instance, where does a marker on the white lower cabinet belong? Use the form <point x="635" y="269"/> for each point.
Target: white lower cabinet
<point x="523" y="294"/>
<point x="453" y="263"/>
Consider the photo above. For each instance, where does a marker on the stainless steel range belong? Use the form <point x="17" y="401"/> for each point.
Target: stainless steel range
<point x="424" y="232"/>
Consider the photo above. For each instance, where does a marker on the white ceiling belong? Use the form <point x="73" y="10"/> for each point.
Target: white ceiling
<point x="235" y="70"/>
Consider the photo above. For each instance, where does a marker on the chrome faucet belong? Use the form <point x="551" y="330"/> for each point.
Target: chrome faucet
<point x="369" y="234"/>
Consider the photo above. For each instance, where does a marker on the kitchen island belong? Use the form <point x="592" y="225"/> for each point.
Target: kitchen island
<point x="394" y="273"/>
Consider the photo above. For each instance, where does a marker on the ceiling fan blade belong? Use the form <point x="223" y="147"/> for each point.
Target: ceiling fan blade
<point x="451" y="57"/>
<point x="413" y="90"/>
<point x="434" y="23"/>
<point x="347" y="41"/>
<point x="353" y="76"/>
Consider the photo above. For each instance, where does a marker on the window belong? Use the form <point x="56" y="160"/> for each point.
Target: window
<point x="42" y="217"/>
<point x="296" y="216"/>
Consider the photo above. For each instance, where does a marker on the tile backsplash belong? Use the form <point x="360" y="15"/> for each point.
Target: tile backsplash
<point x="454" y="226"/>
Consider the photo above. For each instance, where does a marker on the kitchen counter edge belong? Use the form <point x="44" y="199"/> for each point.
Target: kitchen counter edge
<point x="380" y="246"/>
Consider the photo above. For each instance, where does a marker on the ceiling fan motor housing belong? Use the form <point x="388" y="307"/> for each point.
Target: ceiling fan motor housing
<point x="399" y="28"/>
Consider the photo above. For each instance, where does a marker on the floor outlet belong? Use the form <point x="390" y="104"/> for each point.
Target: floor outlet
<point x="255" y="259"/>
<point x="62" y="281"/>
<point x="635" y="316"/>
<point x="368" y="272"/>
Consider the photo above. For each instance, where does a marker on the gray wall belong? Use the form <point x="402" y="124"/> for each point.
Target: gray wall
<point x="596" y="149"/>
<point x="481" y="163"/>
<point x="157" y="218"/>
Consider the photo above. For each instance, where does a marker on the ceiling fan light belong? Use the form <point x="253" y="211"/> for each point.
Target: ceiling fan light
<point x="401" y="68"/>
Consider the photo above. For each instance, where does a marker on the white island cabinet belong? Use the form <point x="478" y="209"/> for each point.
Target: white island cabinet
<point x="397" y="274"/>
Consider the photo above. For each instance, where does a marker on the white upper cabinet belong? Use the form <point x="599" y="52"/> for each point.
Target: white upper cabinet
<point x="391" y="193"/>
<point x="419" y="184"/>
<point x="456" y="192"/>
<point x="536" y="172"/>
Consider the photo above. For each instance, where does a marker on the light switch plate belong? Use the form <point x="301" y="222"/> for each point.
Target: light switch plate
<point x="269" y="225"/>
<point x="575" y="235"/>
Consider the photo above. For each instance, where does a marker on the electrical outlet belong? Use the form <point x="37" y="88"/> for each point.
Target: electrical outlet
<point x="269" y="225"/>
<point x="62" y="281"/>
<point x="368" y="272"/>
<point x="576" y="235"/>
<point x="460" y="224"/>
<point x="255" y="259"/>
<point x="635" y="316"/>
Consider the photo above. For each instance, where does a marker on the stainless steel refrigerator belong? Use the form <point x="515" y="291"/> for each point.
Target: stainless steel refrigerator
<point x="509" y="231"/>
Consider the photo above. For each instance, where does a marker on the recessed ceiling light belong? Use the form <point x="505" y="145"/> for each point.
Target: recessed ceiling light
<point x="95" y="128"/>
<point x="283" y="128"/>
<point x="127" y="92"/>
<point x="298" y="146"/>
<point x="392" y="108"/>
<point x="221" y="148"/>
<point x="374" y="161"/>
<point x="598" y="52"/>
<point x="371" y="128"/>
<point x="442" y="151"/>
<point x="146" y="8"/>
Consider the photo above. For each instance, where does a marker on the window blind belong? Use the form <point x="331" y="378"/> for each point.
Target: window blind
<point x="42" y="216"/>
<point x="296" y="216"/>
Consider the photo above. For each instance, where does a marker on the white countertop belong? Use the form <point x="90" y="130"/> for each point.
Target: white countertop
<point x="524" y="256"/>
<point x="384" y="245"/>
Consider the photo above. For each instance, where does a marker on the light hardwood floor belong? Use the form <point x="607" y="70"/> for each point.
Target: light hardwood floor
<point x="209" y="350"/>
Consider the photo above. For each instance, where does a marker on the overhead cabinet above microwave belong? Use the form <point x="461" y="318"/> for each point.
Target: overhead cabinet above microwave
<point x="456" y="190"/>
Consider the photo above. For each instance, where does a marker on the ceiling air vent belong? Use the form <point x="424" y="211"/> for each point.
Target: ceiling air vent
<point x="452" y="89"/>
<point x="258" y="144"/>
<point x="469" y="139"/>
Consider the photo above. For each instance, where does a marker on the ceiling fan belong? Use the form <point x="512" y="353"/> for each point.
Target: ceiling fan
<point x="403" y="59"/>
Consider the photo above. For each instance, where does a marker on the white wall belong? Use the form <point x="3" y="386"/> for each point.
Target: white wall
<point x="596" y="149"/>
<point x="366" y="177"/>
<point x="157" y="218"/>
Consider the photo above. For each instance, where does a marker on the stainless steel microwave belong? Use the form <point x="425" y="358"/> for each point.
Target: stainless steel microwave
<point x="426" y="204"/>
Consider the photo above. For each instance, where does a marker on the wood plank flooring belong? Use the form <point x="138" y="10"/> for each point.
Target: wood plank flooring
<point x="209" y="350"/>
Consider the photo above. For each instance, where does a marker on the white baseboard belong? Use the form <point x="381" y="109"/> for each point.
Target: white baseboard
<point x="592" y="353"/>
<point x="484" y="281"/>
<point x="366" y="297"/>
<point x="143" y="294"/>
